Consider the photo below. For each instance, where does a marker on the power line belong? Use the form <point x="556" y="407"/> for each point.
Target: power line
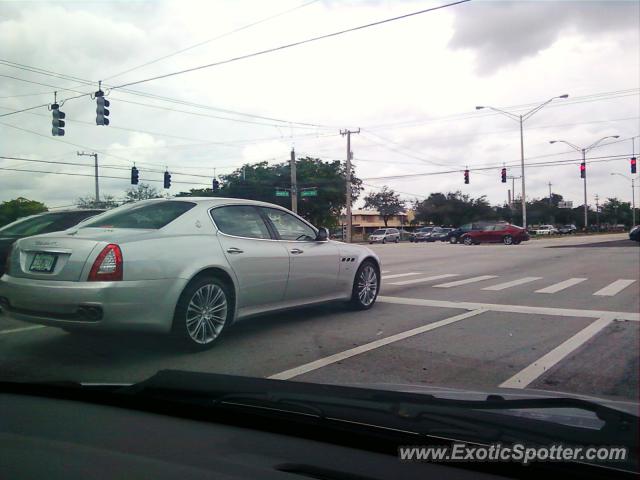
<point x="226" y="34"/>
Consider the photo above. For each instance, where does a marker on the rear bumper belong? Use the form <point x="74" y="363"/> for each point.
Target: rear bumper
<point x="144" y="305"/>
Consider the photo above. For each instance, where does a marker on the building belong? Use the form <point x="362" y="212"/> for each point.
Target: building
<point x="366" y="221"/>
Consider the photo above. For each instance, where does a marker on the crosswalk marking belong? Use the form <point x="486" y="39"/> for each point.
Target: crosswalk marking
<point x="556" y="287"/>
<point x="465" y="281"/>
<point x="614" y="288"/>
<point x="514" y="283"/>
<point x="424" y="279"/>
<point x="398" y="275"/>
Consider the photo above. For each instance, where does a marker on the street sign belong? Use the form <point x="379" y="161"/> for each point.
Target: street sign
<point x="282" y="193"/>
<point x="565" y="204"/>
<point x="309" y="193"/>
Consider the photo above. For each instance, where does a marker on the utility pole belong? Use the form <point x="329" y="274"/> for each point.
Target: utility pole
<point x="550" y="201"/>
<point x="513" y="189"/>
<point x="598" y="211"/>
<point x="95" y="161"/>
<point x="348" y="133"/>
<point x="294" y="183"/>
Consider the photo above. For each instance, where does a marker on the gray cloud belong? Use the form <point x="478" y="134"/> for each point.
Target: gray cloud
<point x="502" y="33"/>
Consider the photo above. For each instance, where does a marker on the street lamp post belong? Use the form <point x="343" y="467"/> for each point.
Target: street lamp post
<point x="584" y="162"/>
<point x="521" y="119"/>
<point x="633" y="197"/>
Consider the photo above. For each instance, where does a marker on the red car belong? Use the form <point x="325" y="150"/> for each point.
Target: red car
<point x="498" y="233"/>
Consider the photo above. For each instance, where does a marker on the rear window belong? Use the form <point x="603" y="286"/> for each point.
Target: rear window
<point x="147" y="216"/>
<point x="31" y="226"/>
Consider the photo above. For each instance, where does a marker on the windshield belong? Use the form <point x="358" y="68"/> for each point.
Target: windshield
<point x="430" y="197"/>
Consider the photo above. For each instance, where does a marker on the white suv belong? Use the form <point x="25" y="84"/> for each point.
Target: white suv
<point x="546" y="230"/>
<point x="384" y="235"/>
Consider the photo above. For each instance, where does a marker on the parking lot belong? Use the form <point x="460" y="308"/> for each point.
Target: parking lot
<point x="554" y="313"/>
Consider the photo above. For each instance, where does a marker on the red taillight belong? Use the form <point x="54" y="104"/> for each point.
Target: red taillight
<point x="108" y="265"/>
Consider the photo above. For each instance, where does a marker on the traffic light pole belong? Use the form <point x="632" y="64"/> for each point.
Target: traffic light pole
<point x="348" y="179"/>
<point x="586" y="207"/>
<point x="294" y="183"/>
<point x="524" y="197"/>
<point x="95" y="163"/>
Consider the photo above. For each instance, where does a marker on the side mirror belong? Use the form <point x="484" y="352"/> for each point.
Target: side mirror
<point x="323" y="235"/>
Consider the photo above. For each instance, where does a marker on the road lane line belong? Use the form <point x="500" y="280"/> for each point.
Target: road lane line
<point x="384" y="271"/>
<point x="323" y="362"/>
<point x="21" y="329"/>
<point x="398" y="275"/>
<point x="556" y="287"/>
<point x="614" y="288"/>
<point x="514" y="283"/>
<point x="498" y="307"/>
<point x="527" y="375"/>
<point x="465" y="281"/>
<point x="424" y="279"/>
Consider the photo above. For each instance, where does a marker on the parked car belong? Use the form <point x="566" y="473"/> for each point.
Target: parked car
<point x="454" y="235"/>
<point x="634" y="233"/>
<point x="567" y="229"/>
<point x="40" y="223"/>
<point x="439" y="234"/>
<point x="546" y="230"/>
<point x="187" y="266"/>
<point x="498" y="233"/>
<point x="384" y="235"/>
<point x="421" y="234"/>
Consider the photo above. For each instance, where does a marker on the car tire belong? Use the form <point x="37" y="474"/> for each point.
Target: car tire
<point x="517" y="242"/>
<point x="384" y="240"/>
<point x="397" y="240"/>
<point x="467" y="241"/>
<point x="507" y="240"/>
<point x="453" y="240"/>
<point x="191" y="326"/>
<point x="366" y="286"/>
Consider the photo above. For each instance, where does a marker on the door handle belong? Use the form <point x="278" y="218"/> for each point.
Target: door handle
<point x="297" y="251"/>
<point x="234" y="250"/>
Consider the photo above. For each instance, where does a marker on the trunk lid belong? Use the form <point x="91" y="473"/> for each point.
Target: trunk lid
<point x="66" y="256"/>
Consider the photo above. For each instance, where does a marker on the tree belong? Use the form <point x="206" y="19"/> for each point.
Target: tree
<point x="107" y="201"/>
<point x="12" y="210"/>
<point x="259" y="181"/>
<point x="386" y="202"/>
<point x="142" y="192"/>
<point x="454" y="208"/>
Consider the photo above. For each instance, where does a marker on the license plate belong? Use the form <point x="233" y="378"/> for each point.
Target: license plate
<point x="43" y="262"/>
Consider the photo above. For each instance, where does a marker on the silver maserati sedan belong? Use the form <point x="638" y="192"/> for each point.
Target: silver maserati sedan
<point x="185" y="266"/>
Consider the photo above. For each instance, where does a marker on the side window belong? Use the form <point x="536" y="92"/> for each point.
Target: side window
<point x="240" y="221"/>
<point x="288" y="226"/>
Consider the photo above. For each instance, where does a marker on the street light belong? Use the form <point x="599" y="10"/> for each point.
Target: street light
<point x="520" y="119"/>
<point x="633" y="197"/>
<point x="584" y="162"/>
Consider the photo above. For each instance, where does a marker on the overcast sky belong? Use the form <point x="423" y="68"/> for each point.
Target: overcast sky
<point x="411" y="86"/>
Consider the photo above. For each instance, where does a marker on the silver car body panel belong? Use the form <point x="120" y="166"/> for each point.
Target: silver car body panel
<point x="268" y="274"/>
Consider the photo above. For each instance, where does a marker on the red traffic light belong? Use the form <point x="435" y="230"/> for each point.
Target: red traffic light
<point x="633" y="165"/>
<point x="503" y="175"/>
<point x="466" y="176"/>
<point x="583" y="170"/>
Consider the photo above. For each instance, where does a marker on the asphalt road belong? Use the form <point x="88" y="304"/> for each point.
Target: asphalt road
<point x="554" y="314"/>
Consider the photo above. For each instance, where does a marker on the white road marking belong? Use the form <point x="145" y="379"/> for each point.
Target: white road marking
<point x="465" y="281"/>
<point x="556" y="287"/>
<point x="21" y="329"/>
<point x="323" y="362"/>
<point x="514" y="283"/>
<point x="398" y="275"/>
<point x="497" y="307"/>
<point x="384" y="271"/>
<point x="424" y="279"/>
<point x="614" y="288"/>
<point x="527" y="375"/>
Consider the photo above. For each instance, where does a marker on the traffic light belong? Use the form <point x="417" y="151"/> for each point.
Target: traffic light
<point x="101" y="109"/>
<point x="583" y="170"/>
<point x="167" y="180"/>
<point x="466" y="176"/>
<point x="633" y="165"/>
<point x="215" y="185"/>
<point x="57" y="123"/>
<point x="503" y="175"/>
<point x="134" y="176"/>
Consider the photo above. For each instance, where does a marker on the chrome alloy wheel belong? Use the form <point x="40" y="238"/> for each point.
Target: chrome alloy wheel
<point x="206" y="314"/>
<point x="367" y="285"/>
